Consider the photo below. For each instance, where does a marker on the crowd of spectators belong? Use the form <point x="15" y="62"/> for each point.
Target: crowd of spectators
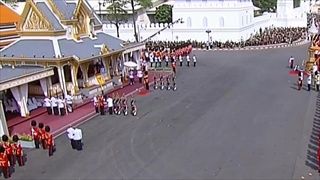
<point x="267" y="36"/>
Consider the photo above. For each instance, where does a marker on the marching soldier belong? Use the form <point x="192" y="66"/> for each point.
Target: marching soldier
<point x="42" y="134"/>
<point x="188" y="60"/>
<point x="35" y="134"/>
<point x="309" y="82"/>
<point x="18" y="152"/>
<point x="167" y="60"/>
<point x="8" y="149"/>
<point x="4" y="163"/>
<point x="180" y="60"/>
<point x="49" y="141"/>
<point x="194" y="60"/>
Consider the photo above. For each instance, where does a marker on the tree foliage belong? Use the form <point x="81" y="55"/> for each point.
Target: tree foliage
<point x="266" y="5"/>
<point x="117" y="14"/>
<point x="143" y="4"/>
<point x="164" y="13"/>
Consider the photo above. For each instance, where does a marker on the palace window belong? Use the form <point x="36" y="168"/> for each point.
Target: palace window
<point x="221" y="22"/>
<point x="189" y="22"/>
<point x="205" y="22"/>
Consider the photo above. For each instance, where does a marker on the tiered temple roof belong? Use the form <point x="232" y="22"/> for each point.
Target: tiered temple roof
<point x="61" y="28"/>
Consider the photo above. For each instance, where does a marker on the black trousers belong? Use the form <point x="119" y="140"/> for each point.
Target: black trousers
<point x="110" y="110"/>
<point x="167" y="63"/>
<point x="101" y="110"/>
<point x="72" y="144"/>
<point x="194" y="64"/>
<point x="49" y="110"/>
<point x="62" y="111"/>
<point x="180" y="63"/>
<point x="36" y="143"/>
<point x="55" y="110"/>
<point x="188" y="63"/>
<point x="140" y="79"/>
<point x="147" y="86"/>
<point x="317" y="87"/>
<point x="97" y="109"/>
<point x="78" y="145"/>
<point x="309" y="87"/>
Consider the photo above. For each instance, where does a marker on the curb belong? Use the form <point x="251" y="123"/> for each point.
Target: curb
<point x="91" y="115"/>
<point x="275" y="46"/>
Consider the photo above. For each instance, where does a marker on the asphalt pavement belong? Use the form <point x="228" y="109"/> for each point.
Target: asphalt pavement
<point x="237" y="115"/>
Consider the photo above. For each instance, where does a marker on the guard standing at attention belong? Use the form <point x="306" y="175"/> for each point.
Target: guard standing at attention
<point x="18" y="152"/>
<point x="49" y="141"/>
<point x="35" y="134"/>
<point x="42" y="134"/>
<point x="4" y="163"/>
<point x="8" y="149"/>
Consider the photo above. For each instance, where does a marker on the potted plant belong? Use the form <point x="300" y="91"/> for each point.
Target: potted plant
<point x="26" y="141"/>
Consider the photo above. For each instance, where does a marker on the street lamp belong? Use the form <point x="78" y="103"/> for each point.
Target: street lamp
<point x="208" y="31"/>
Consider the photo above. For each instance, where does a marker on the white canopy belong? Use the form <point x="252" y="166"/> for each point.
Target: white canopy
<point x="256" y="8"/>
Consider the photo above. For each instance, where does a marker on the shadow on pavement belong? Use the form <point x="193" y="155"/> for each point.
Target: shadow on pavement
<point x="313" y="146"/>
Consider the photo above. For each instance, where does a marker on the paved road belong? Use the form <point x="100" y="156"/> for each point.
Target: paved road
<point x="237" y="115"/>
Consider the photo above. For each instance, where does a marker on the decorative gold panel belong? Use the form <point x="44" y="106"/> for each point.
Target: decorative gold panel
<point x="82" y="24"/>
<point x="36" y="23"/>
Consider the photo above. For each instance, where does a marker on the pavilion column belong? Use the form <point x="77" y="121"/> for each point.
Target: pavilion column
<point x="49" y="81"/>
<point x="74" y="72"/>
<point x="84" y="68"/>
<point x="105" y="62"/>
<point x="62" y="81"/>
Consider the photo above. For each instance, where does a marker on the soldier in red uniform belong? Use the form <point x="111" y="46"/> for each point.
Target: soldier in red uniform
<point x="4" y="163"/>
<point x="49" y="141"/>
<point x="8" y="149"/>
<point x="18" y="152"/>
<point x="35" y="133"/>
<point x="42" y="135"/>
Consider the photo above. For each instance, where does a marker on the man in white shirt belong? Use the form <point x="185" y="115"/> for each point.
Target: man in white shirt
<point x="62" y="110"/>
<point x="291" y="60"/>
<point x="69" y="101"/>
<point x="77" y="138"/>
<point x="140" y="74"/>
<point x="47" y="104"/>
<point x="96" y="104"/>
<point x="194" y="60"/>
<point x="167" y="60"/>
<point x="180" y="60"/>
<point x="309" y="82"/>
<point x="188" y="60"/>
<point x="54" y="106"/>
<point x="110" y="105"/>
<point x="70" y="133"/>
<point x="151" y="59"/>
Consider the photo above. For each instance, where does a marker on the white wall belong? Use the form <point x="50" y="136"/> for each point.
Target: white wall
<point x="227" y="20"/>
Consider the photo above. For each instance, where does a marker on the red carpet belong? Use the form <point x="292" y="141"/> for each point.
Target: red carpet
<point x="58" y="124"/>
<point x="292" y="72"/>
<point x="143" y="92"/>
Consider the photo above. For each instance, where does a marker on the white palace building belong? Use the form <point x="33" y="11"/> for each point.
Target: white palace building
<point x="220" y="20"/>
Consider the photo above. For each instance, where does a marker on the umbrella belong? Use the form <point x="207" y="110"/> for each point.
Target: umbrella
<point x="130" y="64"/>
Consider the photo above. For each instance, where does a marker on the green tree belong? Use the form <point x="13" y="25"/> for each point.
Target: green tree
<point x="164" y="13"/>
<point x="266" y="5"/>
<point x="143" y="4"/>
<point x="117" y="15"/>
